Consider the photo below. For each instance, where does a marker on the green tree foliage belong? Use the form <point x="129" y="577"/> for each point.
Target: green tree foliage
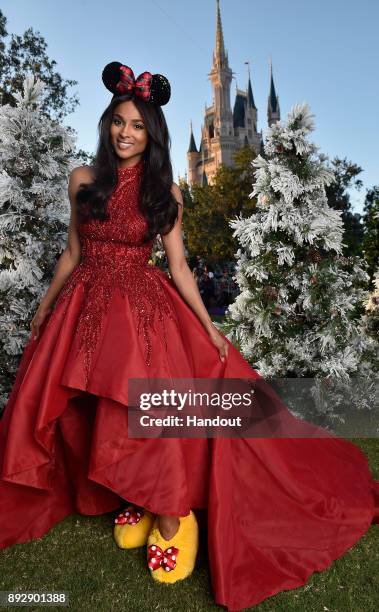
<point x="371" y="226"/>
<point x="346" y="173"/>
<point x="27" y="54"/>
<point x="210" y="208"/>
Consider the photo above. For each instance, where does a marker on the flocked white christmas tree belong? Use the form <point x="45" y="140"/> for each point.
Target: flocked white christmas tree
<point x="36" y="156"/>
<point x="296" y="311"/>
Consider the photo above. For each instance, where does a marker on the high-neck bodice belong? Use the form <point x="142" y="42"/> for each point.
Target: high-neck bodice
<point x="131" y="172"/>
<point x="122" y="235"/>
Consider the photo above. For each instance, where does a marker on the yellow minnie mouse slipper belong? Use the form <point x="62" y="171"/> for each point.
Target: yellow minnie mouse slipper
<point x="174" y="559"/>
<point x="132" y="527"/>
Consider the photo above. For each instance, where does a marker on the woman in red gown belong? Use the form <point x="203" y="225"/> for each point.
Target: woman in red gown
<point x="278" y="508"/>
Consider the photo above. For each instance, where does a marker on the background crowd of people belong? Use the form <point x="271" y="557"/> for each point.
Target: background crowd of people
<point x="216" y="285"/>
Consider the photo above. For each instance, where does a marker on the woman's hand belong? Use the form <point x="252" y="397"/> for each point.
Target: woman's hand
<point x="219" y="342"/>
<point x="38" y="319"/>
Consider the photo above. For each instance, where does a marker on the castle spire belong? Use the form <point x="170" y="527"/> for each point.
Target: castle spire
<point x="221" y="77"/>
<point x="273" y="110"/>
<point x="250" y="97"/>
<point x="272" y="94"/>
<point x="192" y="145"/>
<point x="219" y="52"/>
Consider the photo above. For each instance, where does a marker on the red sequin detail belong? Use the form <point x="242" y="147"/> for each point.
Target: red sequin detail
<point x="114" y="256"/>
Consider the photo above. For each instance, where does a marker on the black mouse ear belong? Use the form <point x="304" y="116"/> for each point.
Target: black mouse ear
<point x="111" y="76"/>
<point x="160" y="90"/>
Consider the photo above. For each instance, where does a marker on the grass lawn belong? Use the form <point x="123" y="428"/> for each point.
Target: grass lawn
<point x="80" y="557"/>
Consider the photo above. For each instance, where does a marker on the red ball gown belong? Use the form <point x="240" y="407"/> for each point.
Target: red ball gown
<point x="278" y="509"/>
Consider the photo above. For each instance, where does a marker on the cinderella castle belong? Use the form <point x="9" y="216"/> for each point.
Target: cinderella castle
<point x="223" y="130"/>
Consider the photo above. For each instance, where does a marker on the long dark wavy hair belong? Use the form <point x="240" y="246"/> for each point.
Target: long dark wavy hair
<point x="157" y="203"/>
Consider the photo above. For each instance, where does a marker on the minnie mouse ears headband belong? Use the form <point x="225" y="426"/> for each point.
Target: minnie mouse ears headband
<point x="120" y="80"/>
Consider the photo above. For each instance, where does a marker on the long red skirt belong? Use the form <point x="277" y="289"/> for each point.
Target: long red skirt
<point x="278" y="509"/>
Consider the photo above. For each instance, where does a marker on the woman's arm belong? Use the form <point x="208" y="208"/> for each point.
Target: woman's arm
<point x="71" y="255"/>
<point x="183" y="277"/>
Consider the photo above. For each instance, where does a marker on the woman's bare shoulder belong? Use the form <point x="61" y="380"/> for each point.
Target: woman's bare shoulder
<point x="83" y="173"/>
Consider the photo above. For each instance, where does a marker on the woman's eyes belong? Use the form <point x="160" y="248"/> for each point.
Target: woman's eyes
<point x="139" y="125"/>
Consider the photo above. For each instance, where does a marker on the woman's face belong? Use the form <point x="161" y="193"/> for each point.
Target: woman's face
<point x="128" y="133"/>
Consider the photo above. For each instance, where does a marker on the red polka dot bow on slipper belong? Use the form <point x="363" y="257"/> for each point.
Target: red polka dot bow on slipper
<point x="131" y="515"/>
<point x="157" y="557"/>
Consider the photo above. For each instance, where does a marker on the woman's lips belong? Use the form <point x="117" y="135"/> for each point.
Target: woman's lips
<point x="124" y="145"/>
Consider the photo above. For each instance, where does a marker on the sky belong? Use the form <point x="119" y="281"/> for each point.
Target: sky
<point x="323" y="52"/>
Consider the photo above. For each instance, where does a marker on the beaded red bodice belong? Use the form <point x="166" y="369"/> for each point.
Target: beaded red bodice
<point x="114" y="255"/>
<point x="121" y="236"/>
